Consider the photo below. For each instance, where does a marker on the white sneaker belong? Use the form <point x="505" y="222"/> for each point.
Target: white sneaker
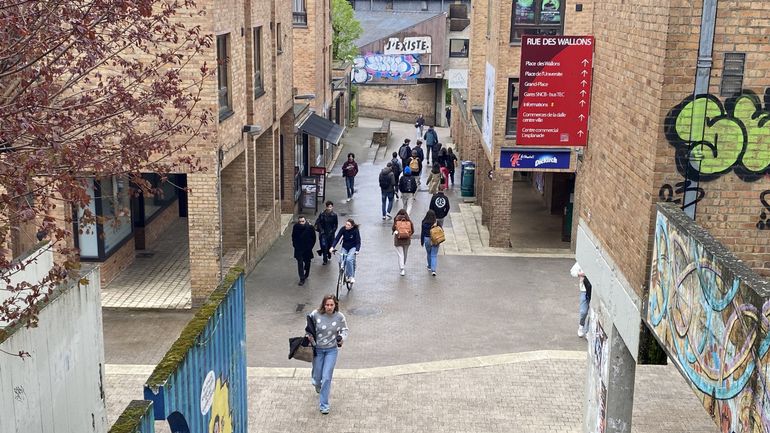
<point x="403" y="272"/>
<point x="388" y="216"/>
<point x="581" y="332"/>
<point x="383" y="217"/>
<point x="351" y="280"/>
<point x="433" y="273"/>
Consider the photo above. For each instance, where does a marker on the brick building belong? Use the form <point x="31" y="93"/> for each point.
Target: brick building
<point x="319" y="102"/>
<point x="232" y="213"/>
<point x="679" y="101"/>
<point x="494" y="62"/>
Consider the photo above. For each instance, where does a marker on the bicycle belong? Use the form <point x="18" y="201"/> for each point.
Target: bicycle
<point x="341" y="277"/>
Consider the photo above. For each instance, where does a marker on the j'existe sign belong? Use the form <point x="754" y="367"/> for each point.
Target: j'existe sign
<point x="410" y="45"/>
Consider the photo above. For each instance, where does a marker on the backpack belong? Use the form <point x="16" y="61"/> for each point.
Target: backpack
<point x="384" y="181"/>
<point x="404" y="153"/>
<point x="414" y="165"/>
<point x="437" y="235"/>
<point x="404" y="229"/>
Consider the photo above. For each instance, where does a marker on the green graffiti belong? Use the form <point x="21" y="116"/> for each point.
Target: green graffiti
<point x="712" y="138"/>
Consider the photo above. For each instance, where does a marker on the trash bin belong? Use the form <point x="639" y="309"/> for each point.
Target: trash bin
<point x="468" y="179"/>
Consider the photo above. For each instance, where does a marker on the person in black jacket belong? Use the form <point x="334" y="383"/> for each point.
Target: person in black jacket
<point x="303" y="241"/>
<point x="405" y="153"/>
<point x="351" y="245"/>
<point x="387" y="189"/>
<point x="439" y="204"/>
<point x="407" y="186"/>
<point x="326" y="226"/>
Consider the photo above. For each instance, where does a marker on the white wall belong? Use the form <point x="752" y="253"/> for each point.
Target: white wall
<point x="59" y="388"/>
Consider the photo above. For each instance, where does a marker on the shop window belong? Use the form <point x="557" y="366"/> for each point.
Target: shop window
<point x="537" y="17"/>
<point x="458" y="48"/>
<point x="223" y="76"/>
<point x="512" y="111"/>
<point x="259" y="89"/>
<point x="110" y="203"/>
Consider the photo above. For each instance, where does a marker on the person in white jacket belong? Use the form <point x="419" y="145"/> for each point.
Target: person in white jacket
<point x="585" y="299"/>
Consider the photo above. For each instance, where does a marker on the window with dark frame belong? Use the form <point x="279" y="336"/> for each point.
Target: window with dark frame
<point x="299" y="13"/>
<point x="258" y="83"/>
<point x="537" y="17"/>
<point x="278" y="38"/>
<point x="223" y="76"/>
<point x="512" y="109"/>
<point x="110" y="203"/>
<point x="458" y="47"/>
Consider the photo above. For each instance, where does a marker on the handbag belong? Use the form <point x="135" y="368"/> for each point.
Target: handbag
<point x="301" y="349"/>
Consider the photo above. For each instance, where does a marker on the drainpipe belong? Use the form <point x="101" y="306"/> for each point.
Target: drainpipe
<point x="702" y="78"/>
<point x="220" y="158"/>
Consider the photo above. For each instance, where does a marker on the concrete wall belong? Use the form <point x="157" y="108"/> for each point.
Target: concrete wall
<point x="707" y="309"/>
<point x="57" y="389"/>
<point x="402" y="103"/>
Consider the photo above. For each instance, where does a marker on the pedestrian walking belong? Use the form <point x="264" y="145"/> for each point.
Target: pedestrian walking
<point x="405" y="153"/>
<point x="585" y="298"/>
<point x="442" y="164"/>
<point x="415" y="165"/>
<point x="439" y="204"/>
<point x="303" y="241"/>
<point x="431" y="140"/>
<point x="396" y="167"/>
<point x="349" y="172"/>
<point x="434" y="179"/>
<point x="351" y="246"/>
<point x="403" y="229"/>
<point x="331" y="331"/>
<point x="451" y="162"/>
<point x="448" y="115"/>
<point x="420" y="152"/>
<point x="407" y="186"/>
<point x="426" y="240"/>
<point x="419" y="124"/>
<point x="326" y="226"/>
<point x="387" y="189"/>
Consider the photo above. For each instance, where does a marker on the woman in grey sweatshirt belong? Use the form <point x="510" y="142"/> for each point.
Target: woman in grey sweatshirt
<point x="331" y="330"/>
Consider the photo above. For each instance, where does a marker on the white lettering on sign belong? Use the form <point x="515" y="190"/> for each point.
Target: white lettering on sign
<point x="563" y="40"/>
<point x="411" y="45"/>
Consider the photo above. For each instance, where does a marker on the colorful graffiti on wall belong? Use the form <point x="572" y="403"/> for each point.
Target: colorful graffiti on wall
<point x="712" y="138"/>
<point x="703" y="309"/>
<point x="385" y="67"/>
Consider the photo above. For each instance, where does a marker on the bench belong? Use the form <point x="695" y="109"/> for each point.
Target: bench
<point x="380" y="137"/>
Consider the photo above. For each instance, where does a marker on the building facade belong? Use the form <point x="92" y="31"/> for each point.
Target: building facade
<point x="493" y="93"/>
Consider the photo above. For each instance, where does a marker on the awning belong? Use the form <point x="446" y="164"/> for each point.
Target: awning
<point x="326" y="130"/>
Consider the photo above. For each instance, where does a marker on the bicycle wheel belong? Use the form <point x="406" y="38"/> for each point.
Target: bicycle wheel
<point x="340" y="278"/>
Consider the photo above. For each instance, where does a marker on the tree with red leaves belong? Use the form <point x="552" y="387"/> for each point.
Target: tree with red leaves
<point x="88" y="89"/>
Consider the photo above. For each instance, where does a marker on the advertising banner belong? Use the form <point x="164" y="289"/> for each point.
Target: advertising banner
<point x="489" y="107"/>
<point x="535" y="159"/>
<point x="555" y="97"/>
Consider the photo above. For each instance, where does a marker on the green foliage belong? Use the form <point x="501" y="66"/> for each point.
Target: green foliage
<point x="131" y="418"/>
<point x="346" y="30"/>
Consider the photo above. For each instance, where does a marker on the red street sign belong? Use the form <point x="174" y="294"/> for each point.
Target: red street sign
<point x="555" y="93"/>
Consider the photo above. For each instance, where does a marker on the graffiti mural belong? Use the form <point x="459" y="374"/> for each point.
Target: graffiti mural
<point x="385" y="67"/>
<point x="704" y="308"/>
<point x="676" y="194"/>
<point x="712" y="138"/>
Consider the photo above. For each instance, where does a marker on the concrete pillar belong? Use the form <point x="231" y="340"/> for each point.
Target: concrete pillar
<point x="610" y="379"/>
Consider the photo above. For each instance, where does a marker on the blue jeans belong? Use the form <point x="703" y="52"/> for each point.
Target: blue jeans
<point x="350" y="262"/>
<point x="349" y="183"/>
<point x="432" y="254"/>
<point x="583" y="309"/>
<point x="323" y="370"/>
<point x="387" y="197"/>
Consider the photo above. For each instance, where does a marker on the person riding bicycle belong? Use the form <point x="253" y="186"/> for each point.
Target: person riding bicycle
<point x="351" y="245"/>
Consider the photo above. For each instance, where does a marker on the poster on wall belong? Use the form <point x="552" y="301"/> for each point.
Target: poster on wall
<point x="410" y="45"/>
<point x="600" y="354"/>
<point x="550" y="11"/>
<point x="525" y="12"/>
<point x="320" y="173"/>
<point x="309" y="197"/>
<point x="457" y="78"/>
<point x="489" y="107"/>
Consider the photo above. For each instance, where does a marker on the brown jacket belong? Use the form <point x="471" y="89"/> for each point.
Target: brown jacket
<point x="401" y="242"/>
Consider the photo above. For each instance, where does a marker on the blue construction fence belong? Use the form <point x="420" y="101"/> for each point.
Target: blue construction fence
<point x="200" y="385"/>
<point x="136" y="418"/>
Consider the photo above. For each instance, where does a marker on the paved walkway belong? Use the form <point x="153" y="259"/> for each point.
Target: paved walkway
<point x="158" y="278"/>
<point x="426" y="354"/>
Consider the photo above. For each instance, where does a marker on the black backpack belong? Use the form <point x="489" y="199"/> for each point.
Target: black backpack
<point x="404" y="152"/>
<point x="384" y="181"/>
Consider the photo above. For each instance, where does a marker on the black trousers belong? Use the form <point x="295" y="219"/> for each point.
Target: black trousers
<point x="303" y="267"/>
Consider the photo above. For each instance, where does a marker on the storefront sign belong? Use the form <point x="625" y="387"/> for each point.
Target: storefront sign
<point x="309" y="197"/>
<point x="411" y="45"/>
<point x="534" y="159"/>
<point x="555" y="97"/>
